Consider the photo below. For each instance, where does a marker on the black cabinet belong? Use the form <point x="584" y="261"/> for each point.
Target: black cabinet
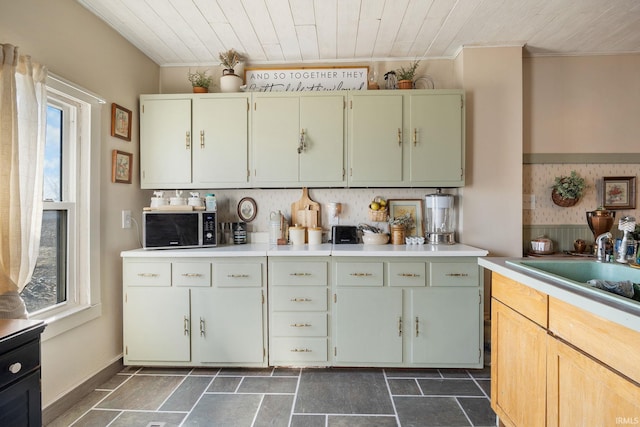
<point x="20" y="395"/>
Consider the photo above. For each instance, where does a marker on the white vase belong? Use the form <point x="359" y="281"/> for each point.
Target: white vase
<point x="230" y="82"/>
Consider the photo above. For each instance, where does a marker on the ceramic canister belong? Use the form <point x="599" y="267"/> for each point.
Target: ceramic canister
<point x="315" y="235"/>
<point x="296" y="235"/>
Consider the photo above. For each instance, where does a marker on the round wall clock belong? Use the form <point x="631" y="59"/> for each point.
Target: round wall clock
<point x="247" y="209"/>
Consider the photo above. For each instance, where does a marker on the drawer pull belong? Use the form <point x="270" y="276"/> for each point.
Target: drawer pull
<point x="301" y="300"/>
<point x="408" y="275"/>
<point x="147" y="275"/>
<point x="299" y="274"/>
<point x="191" y="275"/>
<point x="300" y="350"/>
<point x="457" y="275"/>
<point x="361" y="274"/>
<point x="237" y="276"/>
<point x="300" y="325"/>
<point x="14" y="368"/>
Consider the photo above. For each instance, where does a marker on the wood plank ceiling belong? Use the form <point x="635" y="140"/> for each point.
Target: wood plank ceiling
<point x="193" y="32"/>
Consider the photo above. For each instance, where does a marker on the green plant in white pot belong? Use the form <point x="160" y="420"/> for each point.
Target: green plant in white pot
<point x="230" y="81"/>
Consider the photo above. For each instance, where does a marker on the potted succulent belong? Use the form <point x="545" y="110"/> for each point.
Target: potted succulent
<point x="200" y="81"/>
<point x="406" y="75"/>
<point x="230" y="81"/>
<point x="567" y="190"/>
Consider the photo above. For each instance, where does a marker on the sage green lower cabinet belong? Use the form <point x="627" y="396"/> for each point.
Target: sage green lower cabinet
<point x="407" y="312"/>
<point x="195" y="311"/>
<point x="298" y="311"/>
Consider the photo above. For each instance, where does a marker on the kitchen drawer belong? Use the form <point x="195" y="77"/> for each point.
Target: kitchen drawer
<point x="191" y="274"/>
<point x="454" y="274"/>
<point x="299" y="324"/>
<point x="299" y="273"/>
<point x="19" y="362"/>
<point x="237" y="274"/>
<point x="407" y="274"/>
<point x="292" y="350"/>
<point x="298" y="298"/>
<point x="359" y="273"/>
<point x="147" y="273"/>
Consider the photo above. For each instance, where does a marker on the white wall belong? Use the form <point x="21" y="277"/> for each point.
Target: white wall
<point x="77" y="46"/>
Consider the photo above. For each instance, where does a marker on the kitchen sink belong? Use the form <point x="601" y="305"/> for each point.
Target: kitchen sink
<point x="576" y="273"/>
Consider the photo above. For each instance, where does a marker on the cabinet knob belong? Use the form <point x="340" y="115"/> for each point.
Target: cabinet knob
<point x="14" y="368"/>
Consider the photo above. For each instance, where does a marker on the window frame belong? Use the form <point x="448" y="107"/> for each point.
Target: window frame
<point x="81" y="200"/>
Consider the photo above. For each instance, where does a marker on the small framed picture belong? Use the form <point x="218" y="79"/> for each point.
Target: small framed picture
<point x="400" y="207"/>
<point x="247" y="209"/>
<point x="619" y="192"/>
<point x="120" y="122"/>
<point x="121" y="166"/>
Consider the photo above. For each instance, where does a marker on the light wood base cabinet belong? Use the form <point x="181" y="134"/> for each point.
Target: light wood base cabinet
<point x="576" y="369"/>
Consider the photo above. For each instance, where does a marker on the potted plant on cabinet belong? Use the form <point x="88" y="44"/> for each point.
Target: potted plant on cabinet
<point x="200" y="81"/>
<point x="567" y="190"/>
<point x="406" y="75"/>
<point x="230" y="81"/>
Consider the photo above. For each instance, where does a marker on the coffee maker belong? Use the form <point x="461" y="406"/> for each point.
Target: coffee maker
<point x="440" y="218"/>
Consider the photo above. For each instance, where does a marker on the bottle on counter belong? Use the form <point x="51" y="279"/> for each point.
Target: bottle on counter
<point x="210" y="202"/>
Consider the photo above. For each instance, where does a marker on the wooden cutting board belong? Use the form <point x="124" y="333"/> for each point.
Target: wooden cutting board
<point x="305" y="212"/>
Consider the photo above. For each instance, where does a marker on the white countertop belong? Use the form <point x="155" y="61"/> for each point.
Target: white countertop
<point x="325" y="249"/>
<point x="623" y="311"/>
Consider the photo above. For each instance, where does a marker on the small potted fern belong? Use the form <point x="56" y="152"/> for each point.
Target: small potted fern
<point x="406" y="75"/>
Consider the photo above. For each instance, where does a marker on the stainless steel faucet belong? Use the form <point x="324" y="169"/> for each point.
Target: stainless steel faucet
<point x="601" y="248"/>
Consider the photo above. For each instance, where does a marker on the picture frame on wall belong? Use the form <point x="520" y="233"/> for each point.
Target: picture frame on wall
<point x="121" y="122"/>
<point x="121" y="166"/>
<point x="619" y="192"/>
<point x="400" y="207"/>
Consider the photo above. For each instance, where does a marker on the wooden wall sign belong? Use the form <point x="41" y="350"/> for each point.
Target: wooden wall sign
<point x="305" y="79"/>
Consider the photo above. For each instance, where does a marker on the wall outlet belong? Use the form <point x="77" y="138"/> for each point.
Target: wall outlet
<point x="126" y="219"/>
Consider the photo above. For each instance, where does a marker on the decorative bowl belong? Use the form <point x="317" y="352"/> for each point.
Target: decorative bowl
<point x="375" y="238"/>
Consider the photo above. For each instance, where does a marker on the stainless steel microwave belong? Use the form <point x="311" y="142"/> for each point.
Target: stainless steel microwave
<point x="166" y="229"/>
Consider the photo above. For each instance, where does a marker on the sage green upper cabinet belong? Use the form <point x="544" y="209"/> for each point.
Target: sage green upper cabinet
<point x="375" y="139"/>
<point x="298" y="139"/>
<point x="165" y="142"/>
<point x="435" y="140"/>
<point x="194" y="141"/>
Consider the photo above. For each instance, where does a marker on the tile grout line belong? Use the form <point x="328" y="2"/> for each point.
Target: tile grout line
<point x="393" y="403"/>
<point x="295" y="398"/>
<point x="188" y="414"/>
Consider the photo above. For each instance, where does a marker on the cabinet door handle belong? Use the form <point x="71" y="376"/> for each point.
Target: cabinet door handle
<point x="147" y="275"/>
<point x="457" y="275"/>
<point x="361" y="274"/>
<point x="415" y="137"/>
<point x="14" y="368"/>
<point x="408" y="275"/>
<point x="188" y="140"/>
<point x="186" y="325"/>
<point x="417" y="326"/>
<point x="400" y="326"/>
<point x="301" y="350"/>
<point x="191" y="275"/>
<point x="201" y="139"/>
<point x="399" y="137"/>
<point x="300" y="325"/>
<point x="202" y="327"/>
<point x="301" y="300"/>
<point x="237" y="276"/>
<point x="299" y="274"/>
<point x="302" y="145"/>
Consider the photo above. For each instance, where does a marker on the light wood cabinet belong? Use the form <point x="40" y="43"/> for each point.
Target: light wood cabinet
<point x="196" y="316"/>
<point x="194" y="141"/>
<point x="577" y="365"/>
<point x="398" y="312"/>
<point x="298" y="139"/>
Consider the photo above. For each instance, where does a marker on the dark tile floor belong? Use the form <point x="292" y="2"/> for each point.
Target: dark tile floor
<point x="332" y="397"/>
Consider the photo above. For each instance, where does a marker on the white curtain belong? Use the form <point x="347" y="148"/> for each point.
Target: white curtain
<point x="23" y="106"/>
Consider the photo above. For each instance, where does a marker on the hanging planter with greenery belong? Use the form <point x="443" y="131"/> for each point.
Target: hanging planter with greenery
<point x="567" y="190"/>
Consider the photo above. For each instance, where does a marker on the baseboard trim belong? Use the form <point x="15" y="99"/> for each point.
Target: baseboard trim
<point x="61" y="405"/>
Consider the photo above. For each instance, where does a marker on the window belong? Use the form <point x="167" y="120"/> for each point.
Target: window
<point x="66" y="277"/>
